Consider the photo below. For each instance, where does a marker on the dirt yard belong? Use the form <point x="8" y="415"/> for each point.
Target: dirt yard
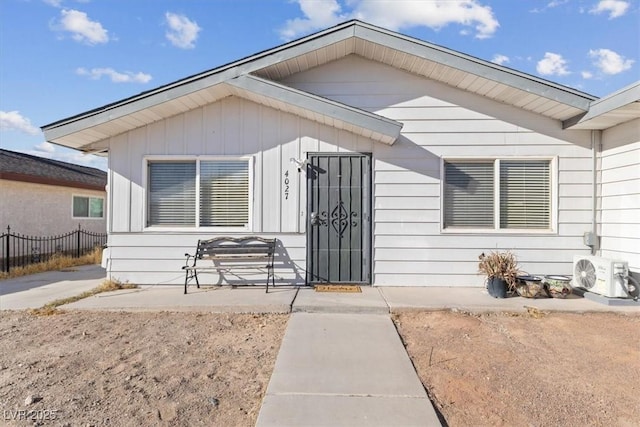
<point x="188" y="369"/>
<point x="528" y="370"/>
<point x="136" y="369"/>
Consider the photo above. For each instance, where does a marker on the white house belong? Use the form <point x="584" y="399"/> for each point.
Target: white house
<point x="373" y="158"/>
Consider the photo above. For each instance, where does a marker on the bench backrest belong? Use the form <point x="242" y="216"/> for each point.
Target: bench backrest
<point x="250" y="247"/>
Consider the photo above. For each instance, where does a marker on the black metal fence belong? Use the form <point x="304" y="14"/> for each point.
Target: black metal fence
<point x="18" y="250"/>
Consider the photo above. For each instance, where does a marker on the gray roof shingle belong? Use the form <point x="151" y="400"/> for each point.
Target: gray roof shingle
<point x="25" y="167"/>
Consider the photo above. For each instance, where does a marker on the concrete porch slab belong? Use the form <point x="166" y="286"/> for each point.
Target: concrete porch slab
<point x="209" y="299"/>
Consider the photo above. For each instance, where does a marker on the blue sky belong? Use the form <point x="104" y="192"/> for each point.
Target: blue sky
<point x="59" y="58"/>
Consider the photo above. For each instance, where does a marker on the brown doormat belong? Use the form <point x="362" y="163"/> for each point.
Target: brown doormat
<point x="338" y="288"/>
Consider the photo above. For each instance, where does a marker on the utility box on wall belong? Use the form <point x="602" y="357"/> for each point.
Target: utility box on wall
<point x="590" y="239"/>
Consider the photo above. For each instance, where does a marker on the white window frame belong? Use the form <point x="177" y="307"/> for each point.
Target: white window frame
<point x="553" y="166"/>
<point x="86" y="196"/>
<point x="171" y="158"/>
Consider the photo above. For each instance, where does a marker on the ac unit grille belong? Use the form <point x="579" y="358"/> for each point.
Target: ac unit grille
<point x="585" y="273"/>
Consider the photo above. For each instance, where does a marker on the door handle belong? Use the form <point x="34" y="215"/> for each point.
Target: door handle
<point x="315" y="219"/>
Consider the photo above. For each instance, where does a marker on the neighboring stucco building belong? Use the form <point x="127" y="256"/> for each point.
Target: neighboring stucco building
<point x="44" y="197"/>
<point x="372" y="157"/>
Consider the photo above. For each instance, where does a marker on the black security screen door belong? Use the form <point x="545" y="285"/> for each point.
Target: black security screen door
<point x="339" y="219"/>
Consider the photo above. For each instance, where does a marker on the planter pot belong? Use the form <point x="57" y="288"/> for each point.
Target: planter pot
<point x="559" y="286"/>
<point x="497" y="287"/>
<point x="530" y="287"/>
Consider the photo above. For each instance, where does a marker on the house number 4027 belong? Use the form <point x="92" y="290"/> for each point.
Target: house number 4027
<point x="286" y="185"/>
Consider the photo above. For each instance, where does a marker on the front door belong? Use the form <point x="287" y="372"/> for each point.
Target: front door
<point x="339" y="218"/>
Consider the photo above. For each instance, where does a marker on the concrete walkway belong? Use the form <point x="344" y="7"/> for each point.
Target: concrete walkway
<point x="341" y="362"/>
<point x="36" y="290"/>
<point x="344" y="370"/>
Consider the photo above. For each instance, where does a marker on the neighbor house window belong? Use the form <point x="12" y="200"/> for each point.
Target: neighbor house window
<point x="202" y="192"/>
<point x="88" y="207"/>
<point x="497" y="194"/>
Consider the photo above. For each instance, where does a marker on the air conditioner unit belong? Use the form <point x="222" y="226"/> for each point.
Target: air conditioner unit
<point x="602" y="276"/>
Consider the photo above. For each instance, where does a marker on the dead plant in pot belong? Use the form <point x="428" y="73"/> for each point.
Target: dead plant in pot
<point x="501" y="271"/>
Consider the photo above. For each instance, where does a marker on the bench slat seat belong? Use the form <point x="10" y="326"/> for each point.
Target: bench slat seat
<point x="232" y="253"/>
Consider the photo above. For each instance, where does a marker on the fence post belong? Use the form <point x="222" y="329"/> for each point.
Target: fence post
<point x="78" y="248"/>
<point x="7" y="246"/>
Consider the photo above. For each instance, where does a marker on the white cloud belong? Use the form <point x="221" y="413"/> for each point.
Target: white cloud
<point x="550" y="5"/>
<point x="552" y="64"/>
<point x="556" y="3"/>
<point x="317" y="14"/>
<point x="394" y="15"/>
<point x="587" y="75"/>
<point x="46" y="147"/>
<point x="182" y="31"/>
<point x="610" y="62"/>
<point x="54" y="3"/>
<point x="615" y="8"/>
<point x="13" y="120"/>
<point x="82" y="28"/>
<point x="115" y="76"/>
<point x="500" y="59"/>
<point x="48" y="151"/>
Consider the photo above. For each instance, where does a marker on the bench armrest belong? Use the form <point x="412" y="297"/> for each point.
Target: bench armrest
<point x="186" y="263"/>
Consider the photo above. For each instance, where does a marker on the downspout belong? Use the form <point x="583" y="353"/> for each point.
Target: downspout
<point x="596" y="145"/>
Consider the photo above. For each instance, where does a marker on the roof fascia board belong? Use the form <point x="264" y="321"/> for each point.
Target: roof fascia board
<point x="621" y="98"/>
<point x="192" y="84"/>
<point x="324" y="106"/>
<point x="474" y="66"/>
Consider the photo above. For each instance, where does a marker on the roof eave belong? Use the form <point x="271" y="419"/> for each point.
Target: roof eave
<point x="475" y="66"/>
<point x="606" y="109"/>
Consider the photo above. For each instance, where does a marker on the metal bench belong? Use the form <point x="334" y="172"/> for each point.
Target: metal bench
<point x="230" y="253"/>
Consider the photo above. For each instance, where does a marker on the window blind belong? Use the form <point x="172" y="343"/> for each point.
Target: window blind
<point x="468" y="194"/>
<point x="172" y="194"/>
<point x="224" y="193"/>
<point x="525" y="194"/>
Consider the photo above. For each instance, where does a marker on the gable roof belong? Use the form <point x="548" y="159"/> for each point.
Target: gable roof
<point x="353" y="37"/>
<point x="16" y="166"/>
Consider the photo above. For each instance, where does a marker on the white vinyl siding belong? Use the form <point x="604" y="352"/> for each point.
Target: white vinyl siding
<point x="219" y="188"/>
<point x="497" y="194"/>
<point x="619" y="195"/>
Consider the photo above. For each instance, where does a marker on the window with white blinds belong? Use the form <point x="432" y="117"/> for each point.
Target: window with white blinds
<point x="224" y="193"/>
<point x="468" y="194"/>
<point x="172" y="194"/>
<point x="209" y="193"/>
<point x="525" y="194"/>
<point x="497" y="194"/>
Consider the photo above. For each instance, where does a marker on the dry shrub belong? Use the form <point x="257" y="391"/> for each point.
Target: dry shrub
<point x="56" y="262"/>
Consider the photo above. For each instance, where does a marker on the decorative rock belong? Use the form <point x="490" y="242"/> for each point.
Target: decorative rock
<point x="31" y="399"/>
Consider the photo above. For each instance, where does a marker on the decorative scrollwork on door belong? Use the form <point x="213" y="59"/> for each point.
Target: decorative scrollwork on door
<point x="341" y="219"/>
